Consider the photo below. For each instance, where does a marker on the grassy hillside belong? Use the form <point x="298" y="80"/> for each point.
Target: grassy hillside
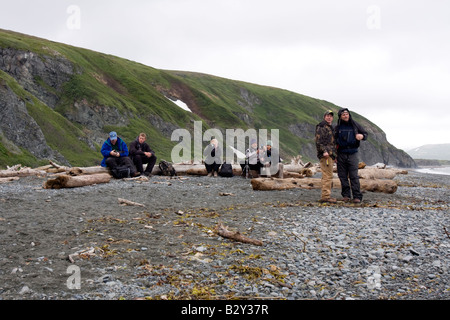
<point x="137" y="92"/>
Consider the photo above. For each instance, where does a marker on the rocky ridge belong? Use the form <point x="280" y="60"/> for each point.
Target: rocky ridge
<point x="43" y="76"/>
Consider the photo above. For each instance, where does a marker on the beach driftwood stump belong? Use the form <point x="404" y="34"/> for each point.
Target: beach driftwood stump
<point x="374" y="185"/>
<point x="65" y="181"/>
<point x="237" y="236"/>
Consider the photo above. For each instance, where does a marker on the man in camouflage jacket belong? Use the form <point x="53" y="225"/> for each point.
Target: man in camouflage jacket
<point x="326" y="152"/>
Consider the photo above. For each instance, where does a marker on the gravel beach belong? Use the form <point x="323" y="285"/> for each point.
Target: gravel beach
<point x="82" y="244"/>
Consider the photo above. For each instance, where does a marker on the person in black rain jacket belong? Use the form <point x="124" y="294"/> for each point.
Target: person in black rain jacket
<point x="348" y="137"/>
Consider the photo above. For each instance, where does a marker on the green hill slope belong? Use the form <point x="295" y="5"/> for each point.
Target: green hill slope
<point x="73" y="97"/>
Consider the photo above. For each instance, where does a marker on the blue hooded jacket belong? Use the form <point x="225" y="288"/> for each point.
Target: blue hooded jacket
<point x="107" y="148"/>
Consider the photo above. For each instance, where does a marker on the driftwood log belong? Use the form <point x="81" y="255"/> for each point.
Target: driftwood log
<point x="77" y="171"/>
<point x="374" y="185"/>
<point x="125" y="202"/>
<point x="65" y="181"/>
<point x="200" y="170"/>
<point x="375" y="173"/>
<point x="10" y="179"/>
<point x="237" y="236"/>
<point x="21" y="172"/>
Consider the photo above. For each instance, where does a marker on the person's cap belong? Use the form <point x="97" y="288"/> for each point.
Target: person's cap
<point x="269" y="142"/>
<point x="113" y="135"/>
<point x="252" y="141"/>
<point x="329" y="112"/>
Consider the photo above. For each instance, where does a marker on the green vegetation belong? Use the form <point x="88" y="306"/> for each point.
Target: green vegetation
<point x="137" y="92"/>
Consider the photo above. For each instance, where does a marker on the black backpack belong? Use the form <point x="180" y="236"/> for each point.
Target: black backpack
<point x="226" y="170"/>
<point x="167" y="168"/>
<point x="121" y="172"/>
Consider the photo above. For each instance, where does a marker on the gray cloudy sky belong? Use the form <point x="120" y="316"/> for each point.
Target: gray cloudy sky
<point x="387" y="60"/>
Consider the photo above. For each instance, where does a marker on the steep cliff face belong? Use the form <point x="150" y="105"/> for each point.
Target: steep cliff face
<point x="43" y="76"/>
<point x="19" y="130"/>
<point x="55" y="107"/>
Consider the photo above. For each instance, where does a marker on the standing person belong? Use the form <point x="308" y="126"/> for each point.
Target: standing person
<point x="348" y="137"/>
<point x="141" y="153"/>
<point x="213" y="158"/>
<point x="115" y="153"/>
<point x="326" y="152"/>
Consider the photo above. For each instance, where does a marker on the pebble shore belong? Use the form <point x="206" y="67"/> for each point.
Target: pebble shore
<point x="392" y="246"/>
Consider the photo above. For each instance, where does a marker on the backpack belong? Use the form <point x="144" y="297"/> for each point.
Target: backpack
<point x="121" y="172"/>
<point x="226" y="170"/>
<point x="167" y="168"/>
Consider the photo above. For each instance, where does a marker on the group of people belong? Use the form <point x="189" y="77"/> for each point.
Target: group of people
<point x="258" y="157"/>
<point x="340" y="144"/>
<point x="255" y="157"/>
<point x="117" y="154"/>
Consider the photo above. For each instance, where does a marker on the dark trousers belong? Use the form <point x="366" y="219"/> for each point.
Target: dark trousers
<point x="347" y="169"/>
<point x="113" y="162"/>
<point x="212" y="167"/>
<point x="140" y="160"/>
<point x="256" y="167"/>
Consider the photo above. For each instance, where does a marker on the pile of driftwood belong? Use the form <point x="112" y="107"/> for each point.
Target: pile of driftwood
<point x="59" y="176"/>
<point x="374" y="179"/>
<point x="289" y="176"/>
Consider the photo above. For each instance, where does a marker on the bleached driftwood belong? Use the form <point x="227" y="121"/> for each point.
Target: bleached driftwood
<point x="77" y="171"/>
<point x="198" y="171"/>
<point x="374" y="185"/>
<point x="129" y="203"/>
<point x="308" y="171"/>
<point x="19" y="171"/>
<point x="9" y="179"/>
<point x="65" y="181"/>
<point x="375" y="173"/>
<point x="86" y="253"/>
<point x="56" y="168"/>
<point x="237" y="236"/>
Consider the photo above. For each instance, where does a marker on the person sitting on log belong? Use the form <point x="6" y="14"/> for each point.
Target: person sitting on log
<point x="141" y="153"/>
<point x="252" y="160"/>
<point x="115" y="154"/>
<point x="268" y="155"/>
<point x="213" y="158"/>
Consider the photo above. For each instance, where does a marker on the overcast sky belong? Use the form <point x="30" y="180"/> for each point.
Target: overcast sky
<point x="386" y="60"/>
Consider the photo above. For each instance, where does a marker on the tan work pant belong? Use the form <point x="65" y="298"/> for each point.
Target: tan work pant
<point x="326" y="165"/>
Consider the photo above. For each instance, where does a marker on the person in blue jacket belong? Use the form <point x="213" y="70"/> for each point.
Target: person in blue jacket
<point x="115" y="153"/>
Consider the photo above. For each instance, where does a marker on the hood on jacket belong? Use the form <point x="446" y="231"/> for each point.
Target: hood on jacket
<point x="342" y="111"/>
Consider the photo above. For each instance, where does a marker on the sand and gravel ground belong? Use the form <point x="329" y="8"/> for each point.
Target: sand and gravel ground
<point x="81" y="244"/>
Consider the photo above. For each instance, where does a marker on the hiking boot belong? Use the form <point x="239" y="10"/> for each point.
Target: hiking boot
<point x="209" y="174"/>
<point x="147" y="174"/>
<point x="329" y="200"/>
<point x="356" y="200"/>
<point x="345" y="199"/>
<point x="215" y="174"/>
<point x="135" y="174"/>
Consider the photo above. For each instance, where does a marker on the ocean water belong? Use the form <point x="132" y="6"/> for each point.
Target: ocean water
<point x="435" y="170"/>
